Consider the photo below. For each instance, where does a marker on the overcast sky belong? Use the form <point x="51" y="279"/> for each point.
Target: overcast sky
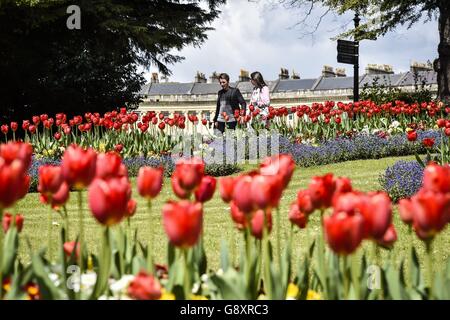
<point x="256" y="36"/>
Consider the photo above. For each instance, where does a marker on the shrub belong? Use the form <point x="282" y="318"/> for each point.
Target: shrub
<point x="402" y="180"/>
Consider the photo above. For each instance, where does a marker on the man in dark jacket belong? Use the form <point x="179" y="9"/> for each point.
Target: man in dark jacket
<point x="229" y="99"/>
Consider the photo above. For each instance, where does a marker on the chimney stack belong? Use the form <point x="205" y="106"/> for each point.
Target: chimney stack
<point x="214" y="78"/>
<point x="379" y="69"/>
<point x="340" y="72"/>
<point x="244" y="76"/>
<point x="418" y="66"/>
<point x="284" y="74"/>
<point x="155" y="78"/>
<point x="295" y="76"/>
<point x="328" y="72"/>
<point x="200" y="77"/>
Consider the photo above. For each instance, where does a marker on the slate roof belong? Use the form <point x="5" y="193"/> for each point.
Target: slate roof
<point x="321" y="83"/>
<point x="430" y="77"/>
<point x="170" y="88"/>
<point x="335" y="83"/>
<point x="382" y="79"/>
<point x="295" y="85"/>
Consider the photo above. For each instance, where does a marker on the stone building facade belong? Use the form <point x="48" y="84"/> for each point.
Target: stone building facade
<point x="200" y="96"/>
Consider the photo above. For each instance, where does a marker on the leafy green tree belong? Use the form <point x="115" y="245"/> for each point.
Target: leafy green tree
<point x="47" y="67"/>
<point x="383" y="16"/>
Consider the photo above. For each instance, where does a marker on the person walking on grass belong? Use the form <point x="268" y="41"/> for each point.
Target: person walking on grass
<point x="229" y="99"/>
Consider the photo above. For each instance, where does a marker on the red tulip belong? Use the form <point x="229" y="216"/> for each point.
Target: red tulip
<point x="304" y="201"/>
<point x="79" y="166"/>
<point x="131" y="208"/>
<point x="265" y="191"/>
<point x="441" y="123"/>
<point x="118" y="148"/>
<point x="14" y="126"/>
<point x="282" y="165"/>
<point x="297" y="217"/>
<point x="436" y="178"/>
<point x="343" y="232"/>
<point x="447" y="132"/>
<point x="389" y="237"/>
<point x="190" y="173"/>
<point x="108" y="199"/>
<point x="343" y="184"/>
<point x="226" y="186"/>
<point x="17" y="151"/>
<point x="150" y="181"/>
<point x="183" y="222"/>
<point x="7" y="221"/>
<point x="238" y="216"/>
<point x="322" y="190"/>
<point x="176" y="187"/>
<point x="257" y="223"/>
<point x="14" y="182"/>
<point x="428" y="142"/>
<point x="59" y="198"/>
<point x="431" y="212"/>
<point x="109" y="165"/>
<point x="377" y="212"/>
<point x="206" y="189"/>
<point x="241" y="196"/>
<point x="411" y="136"/>
<point x="161" y="125"/>
<point x="57" y="136"/>
<point x="69" y="247"/>
<point x="145" y="287"/>
<point x="4" y="128"/>
<point x="50" y="179"/>
<point x="405" y="208"/>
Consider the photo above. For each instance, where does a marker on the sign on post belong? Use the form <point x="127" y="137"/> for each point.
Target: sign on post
<point x="347" y="52"/>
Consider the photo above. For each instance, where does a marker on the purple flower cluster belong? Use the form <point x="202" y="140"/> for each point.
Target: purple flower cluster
<point x="402" y="180"/>
<point x="361" y="146"/>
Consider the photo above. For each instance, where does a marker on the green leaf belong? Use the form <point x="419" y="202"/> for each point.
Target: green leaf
<point x="10" y="245"/>
<point x="224" y="261"/>
<point x="104" y="266"/>
<point x="47" y="288"/>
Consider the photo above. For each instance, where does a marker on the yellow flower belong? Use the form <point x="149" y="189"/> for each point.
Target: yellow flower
<point x="409" y="129"/>
<point x="102" y="147"/>
<point x="90" y="264"/>
<point x="292" y="291"/>
<point x="195" y="297"/>
<point x="313" y="295"/>
<point x="166" y="295"/>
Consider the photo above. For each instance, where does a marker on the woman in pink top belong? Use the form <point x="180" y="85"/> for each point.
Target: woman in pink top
<point x="260" y="96"/>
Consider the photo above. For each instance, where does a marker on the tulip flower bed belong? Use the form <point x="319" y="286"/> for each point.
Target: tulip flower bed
<point x="153" y="134"/>
<point x="345" y="232"/>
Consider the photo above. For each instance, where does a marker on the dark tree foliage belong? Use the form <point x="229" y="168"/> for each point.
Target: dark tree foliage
<point x="47" y="68"/>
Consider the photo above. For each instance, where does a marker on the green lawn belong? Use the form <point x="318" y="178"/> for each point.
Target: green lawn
<point x="217" y="225"/>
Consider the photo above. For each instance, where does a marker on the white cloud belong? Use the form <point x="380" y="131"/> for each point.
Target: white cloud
<point x="254" y="36"/>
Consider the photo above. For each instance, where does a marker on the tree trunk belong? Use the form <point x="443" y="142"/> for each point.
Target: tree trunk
<point x="442" y="65"/>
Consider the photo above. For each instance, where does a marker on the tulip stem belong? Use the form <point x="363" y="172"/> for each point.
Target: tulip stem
<point x="50" y="256"/>
<point x="321" y="256"/>
<point x="66" y="222"/>
<point x="187" y="281"/>
<point x="278" y="238"/>
<point x="150" y="239"/>
<point x="428" y="245"/>
<point x="81" y="226"/>
<point x="267" y="282"/>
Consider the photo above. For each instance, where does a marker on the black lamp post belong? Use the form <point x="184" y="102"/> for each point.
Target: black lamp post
<point x="356" y="65"/>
